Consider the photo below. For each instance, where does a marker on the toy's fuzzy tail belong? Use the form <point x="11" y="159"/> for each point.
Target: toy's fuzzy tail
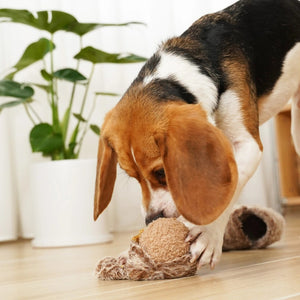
<point x="110" y="268"/>
<point x="252" y="228"/>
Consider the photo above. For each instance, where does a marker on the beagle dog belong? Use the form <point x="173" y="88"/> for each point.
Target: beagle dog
<point x="188" y="126"/>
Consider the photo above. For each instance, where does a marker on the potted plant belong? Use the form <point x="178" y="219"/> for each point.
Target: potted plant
<point x="62" y="188"/>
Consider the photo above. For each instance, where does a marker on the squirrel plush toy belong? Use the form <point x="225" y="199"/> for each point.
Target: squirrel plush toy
<point x="160" y="252"/>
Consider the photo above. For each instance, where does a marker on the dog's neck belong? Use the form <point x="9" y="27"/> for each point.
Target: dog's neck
<point x="170" y="76"/>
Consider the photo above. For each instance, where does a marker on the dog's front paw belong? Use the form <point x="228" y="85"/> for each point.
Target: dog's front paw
<point x="206" y="244"/>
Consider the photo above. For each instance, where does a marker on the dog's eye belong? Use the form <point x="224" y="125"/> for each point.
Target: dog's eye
<point x="160" y="176"/>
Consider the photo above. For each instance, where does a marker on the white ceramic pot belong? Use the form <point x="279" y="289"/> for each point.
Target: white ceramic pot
<point x="63" y="193"/>
<point x="8" y="211"/>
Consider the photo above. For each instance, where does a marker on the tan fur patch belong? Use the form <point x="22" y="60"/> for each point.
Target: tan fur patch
<point x="182" y="43"/>
<point x="130" y="130"/>
<point x="238" y="73"/>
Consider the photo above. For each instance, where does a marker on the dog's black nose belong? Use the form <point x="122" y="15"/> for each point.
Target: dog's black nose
<point x="154" y="217"/>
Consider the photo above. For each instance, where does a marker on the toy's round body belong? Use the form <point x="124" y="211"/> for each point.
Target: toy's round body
<point x="164" y="240"/>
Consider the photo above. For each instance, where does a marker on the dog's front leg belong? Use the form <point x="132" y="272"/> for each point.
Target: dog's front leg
<point x="207" y="240"/>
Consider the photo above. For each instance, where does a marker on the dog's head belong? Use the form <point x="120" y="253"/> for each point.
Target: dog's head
<point x="185" y="165"/>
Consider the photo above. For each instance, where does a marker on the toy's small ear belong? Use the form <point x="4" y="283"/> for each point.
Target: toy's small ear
<point x="200" y="168"/>
<point x="106" y="176"/>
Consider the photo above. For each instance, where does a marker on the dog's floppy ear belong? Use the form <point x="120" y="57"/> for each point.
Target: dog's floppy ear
<point x="199" y="165"/>
<point x="106" y="176"/>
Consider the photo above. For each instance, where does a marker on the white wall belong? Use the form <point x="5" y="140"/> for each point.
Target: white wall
<point x="163" y="18"/>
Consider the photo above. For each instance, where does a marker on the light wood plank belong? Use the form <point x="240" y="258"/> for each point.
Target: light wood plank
<point x="293" y="200"/>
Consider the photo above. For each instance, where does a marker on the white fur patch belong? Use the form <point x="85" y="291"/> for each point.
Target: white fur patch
<point x="162" y="201"/>
<point x="229" y="117"/>
<point x="189" y="76"/>
<point x="133" y="156"/>
<point x="285" y="87"/>
<point x="230" y="120"/>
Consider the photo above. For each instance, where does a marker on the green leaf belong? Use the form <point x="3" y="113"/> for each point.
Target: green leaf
<point x="106" y="94"/>
<point x="46" y="75"/>
<point x="79" y="117"/>
<point x="95" y="129"/>
<point x="44" y="139"/>
<point x="33" y="53"/>
<point x="97" y="56"/>
<point x="51" y="21"/>
<point x="15" y="89"/>
<point x="83" y="28"/>
<point x="59" y="21"/>
<point x="69" y="75"/>
<point x="12" y="103"/>
<point x="121" y="24"/>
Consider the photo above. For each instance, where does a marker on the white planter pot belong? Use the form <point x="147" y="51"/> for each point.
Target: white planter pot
<point x="8" y="211"/>
<point x="63" y="193"/>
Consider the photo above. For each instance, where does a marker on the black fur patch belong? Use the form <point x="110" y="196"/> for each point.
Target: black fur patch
<point x="170" y="89"/>
<point x="206" y="66"/>
<point x="268" y="30"/>
<point x="263" y="31"/>
<point x="149" y="68"/>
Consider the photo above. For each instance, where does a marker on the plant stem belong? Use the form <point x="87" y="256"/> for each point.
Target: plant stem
<point x="87" y="89"/>
<point x="55" y="117"/>
<point x="45" y="67"/>
<point x="28" y="114"/>
<point x="35" y="113"/>
<point x="69" y="109"/>
<point x="86" y="125"/>
<point x="76" y="130"/>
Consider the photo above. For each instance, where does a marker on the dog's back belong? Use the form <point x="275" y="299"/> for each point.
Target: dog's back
<point x="260" y="32"/>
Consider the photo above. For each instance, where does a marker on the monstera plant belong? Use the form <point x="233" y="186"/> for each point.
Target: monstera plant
<point x="54" y="139"/>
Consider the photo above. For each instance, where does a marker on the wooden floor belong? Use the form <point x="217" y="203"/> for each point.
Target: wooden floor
<point x="66" y="273"/>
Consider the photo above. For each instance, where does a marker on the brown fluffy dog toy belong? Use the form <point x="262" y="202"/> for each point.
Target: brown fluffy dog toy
<point x="160" y="252"/>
